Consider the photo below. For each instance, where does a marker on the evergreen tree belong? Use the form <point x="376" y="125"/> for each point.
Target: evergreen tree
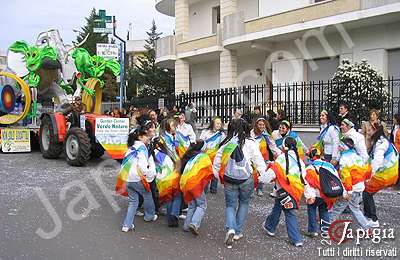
<point x="90" y="44"/>
<point x="149" y="79"/>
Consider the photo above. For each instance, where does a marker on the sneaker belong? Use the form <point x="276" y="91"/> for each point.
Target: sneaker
<point x="229" y="238"/>
<point x="298" y="244"/>
<point x="237" y="237"/>
<point x="260" y="193"/>
<point x="193" y="229"/>
<point x="139" y="214"/>
<point x="126" y="229"/>
<point x="312" y="234"/>
<point x="373" y="224"/>
<point x="155" y="217"/>
<point x="185" y="210"/>
<point x="269" y="233"/>
<point x="182" y="216"/>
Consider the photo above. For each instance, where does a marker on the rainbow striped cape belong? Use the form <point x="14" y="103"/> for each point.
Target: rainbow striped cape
<point x="226" y="155"/>
<point x="167" y="179"/>
<point x="299" y="144"/>
<point x="312" y="178"/>
<point x="212" y="144"/>
<point x="352" y="170"/>
<point x="183" y="143"/>
<point x="388" y="174"/>
<point x="197" y="174"/>
<point x="126" y="166"/>
<point x="292" y="183"/>
<point x="172" y="144"/>
<point x="264" y="143"/>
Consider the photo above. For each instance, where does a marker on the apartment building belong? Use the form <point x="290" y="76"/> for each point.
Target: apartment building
<point x="228" y="43"/>
<point x="134" y="50"/>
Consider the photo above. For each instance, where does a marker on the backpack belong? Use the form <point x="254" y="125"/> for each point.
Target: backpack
<point x="331" y="185"/>
<point x="237" y="170"/>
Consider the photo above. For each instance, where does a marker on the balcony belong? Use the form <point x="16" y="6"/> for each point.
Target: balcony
<point x="166" y="52"/>
<point x="311" y="16"/>
<point x="166" y="7"/>
<point x="199" y="46"/>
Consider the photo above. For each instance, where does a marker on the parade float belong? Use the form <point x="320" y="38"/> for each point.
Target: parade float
<point x="53" y="93"/>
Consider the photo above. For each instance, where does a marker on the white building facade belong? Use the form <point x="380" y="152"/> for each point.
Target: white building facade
<point x="229" y="43"/>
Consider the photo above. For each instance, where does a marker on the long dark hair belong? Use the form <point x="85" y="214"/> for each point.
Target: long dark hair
<point x="134" y="135"/>
<point x="193" y="150"/>
<point x="237" y="127"/>
<point x="291" y="144"/>
<point x="379" y="132"/>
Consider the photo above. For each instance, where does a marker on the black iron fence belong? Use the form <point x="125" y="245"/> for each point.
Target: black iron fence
<point x="302" y="102"/>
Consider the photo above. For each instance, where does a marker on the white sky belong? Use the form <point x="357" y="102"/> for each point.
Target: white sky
<point x="25" y="19"/>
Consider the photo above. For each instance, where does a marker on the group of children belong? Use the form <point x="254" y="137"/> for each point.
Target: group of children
<point x="168" y="166"/>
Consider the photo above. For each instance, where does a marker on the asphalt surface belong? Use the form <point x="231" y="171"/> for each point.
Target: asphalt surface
<point x="29" y="184"/>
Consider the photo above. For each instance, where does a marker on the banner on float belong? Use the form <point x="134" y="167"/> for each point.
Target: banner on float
<point x="14" y="140"/>
<point x="112" y="134"/>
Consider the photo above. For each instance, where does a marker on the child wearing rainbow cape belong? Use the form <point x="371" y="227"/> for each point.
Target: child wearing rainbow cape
<point x="196" y="170"/>
<point x="168" y="164"/>
<point x="232" y="165"/>
<point x="315" y="197"/>
<point x="261" y="134"/>
<point x="385" y="166"/>
<point x="136" y="168"/>
<point x="285" y="129"/>
<point x="353" y="172"/>
<point x="287" y="171"/>
<point x="212" y="137"/>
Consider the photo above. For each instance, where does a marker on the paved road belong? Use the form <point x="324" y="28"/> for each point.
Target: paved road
<point x="27" y="181"/>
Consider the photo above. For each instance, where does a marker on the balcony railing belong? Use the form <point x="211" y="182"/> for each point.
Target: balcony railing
<point x="166" y="48"/>
<point x="213" y="40"/>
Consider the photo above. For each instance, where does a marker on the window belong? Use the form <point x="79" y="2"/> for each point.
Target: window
<point x="216" y="16"/>
<point x="394" y="63"/>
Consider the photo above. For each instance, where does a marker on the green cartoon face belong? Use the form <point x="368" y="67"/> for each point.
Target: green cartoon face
<point x="33" y="55"/>
<point x="93" y="66"/>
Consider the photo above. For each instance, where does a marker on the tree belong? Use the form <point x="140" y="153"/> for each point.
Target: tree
<point x="111" y="87"/>
<point x="90" y="44"/>
<point x="149" y="79"/>
<point x="361" y="87"/>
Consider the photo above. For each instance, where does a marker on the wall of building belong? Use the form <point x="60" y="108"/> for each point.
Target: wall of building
<point x="205" y="76"/>
<point x="250" y="8"/>
<point x="200" y="18"/>
<point x="371" y="43"/>
<point x="247" y="66"/>
<point x="271" y="7"/>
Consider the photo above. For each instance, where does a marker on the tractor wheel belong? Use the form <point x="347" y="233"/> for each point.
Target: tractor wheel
<point x="49" y="145"/>
<point x="97" y="150"/>
<point x="77" y="147"/>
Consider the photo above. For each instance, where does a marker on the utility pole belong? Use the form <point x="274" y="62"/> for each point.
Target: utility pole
<point x="122" y="58"/>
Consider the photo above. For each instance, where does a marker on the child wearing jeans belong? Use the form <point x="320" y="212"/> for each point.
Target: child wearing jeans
<point x="353" y="172"/>
<point x="136" y="167"/>
<point x="196" y="170"/>
<point x="287" y="171"/>
<point x="315" y="198"/>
